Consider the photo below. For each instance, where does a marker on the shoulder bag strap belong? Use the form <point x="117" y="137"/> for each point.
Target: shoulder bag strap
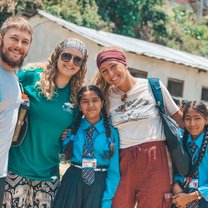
<point x="21" y="88"/>
<point x="157" y="92"/>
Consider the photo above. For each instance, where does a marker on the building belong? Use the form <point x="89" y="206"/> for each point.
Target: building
<point x="184" y="74"/>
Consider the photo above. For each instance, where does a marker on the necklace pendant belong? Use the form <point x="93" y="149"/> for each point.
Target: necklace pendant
<point x="124" y="97"/>
<point x="123" y="100"/>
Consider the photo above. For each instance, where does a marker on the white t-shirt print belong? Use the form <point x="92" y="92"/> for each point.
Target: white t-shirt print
<point x="138" y="119"/>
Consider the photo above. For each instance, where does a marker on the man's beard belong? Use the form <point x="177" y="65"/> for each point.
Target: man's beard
<point x="9" y="61"/>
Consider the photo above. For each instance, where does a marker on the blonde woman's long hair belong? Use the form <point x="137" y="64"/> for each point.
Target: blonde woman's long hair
<point x="105" y="87"/>
<point x="47" y="81"/>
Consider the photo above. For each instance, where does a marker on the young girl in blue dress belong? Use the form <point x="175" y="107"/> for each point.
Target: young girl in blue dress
<point x="195" y="139"/>
<point x="93" y="176"/>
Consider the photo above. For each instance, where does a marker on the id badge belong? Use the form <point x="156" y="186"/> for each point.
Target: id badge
<point x="194" y="183"/>
<point x="89" y="163"/>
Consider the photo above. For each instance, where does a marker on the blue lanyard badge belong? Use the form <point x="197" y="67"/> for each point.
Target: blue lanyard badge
<point x="194" y="183"/>
<point x="89" y="163"/>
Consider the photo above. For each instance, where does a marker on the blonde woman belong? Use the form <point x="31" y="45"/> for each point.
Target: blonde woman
<point x="33" y="176"/>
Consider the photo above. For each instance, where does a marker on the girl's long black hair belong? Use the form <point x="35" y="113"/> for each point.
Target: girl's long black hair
<point x="78" y="119"/>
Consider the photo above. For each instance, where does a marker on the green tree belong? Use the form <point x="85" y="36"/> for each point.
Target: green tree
<point x="80" y="12"/>
<point x="16" y="7"/>
<point x="187" y="32"/>
<point x="143" y="19"/>
<point x="4" y="14"/>
<point x="152" y="20"/>
<point x="123" y="13"/>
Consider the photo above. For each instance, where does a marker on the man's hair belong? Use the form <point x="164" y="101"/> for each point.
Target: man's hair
<point x="16" y="22"/>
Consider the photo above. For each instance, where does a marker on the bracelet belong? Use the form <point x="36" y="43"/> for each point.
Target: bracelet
<point x="198" y="195"/>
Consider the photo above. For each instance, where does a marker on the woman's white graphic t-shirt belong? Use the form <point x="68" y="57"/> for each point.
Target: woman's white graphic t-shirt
<point x="138" y="119"/>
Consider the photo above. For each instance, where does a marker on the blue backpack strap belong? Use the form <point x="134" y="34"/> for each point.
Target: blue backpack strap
<point x="157" y="92"/>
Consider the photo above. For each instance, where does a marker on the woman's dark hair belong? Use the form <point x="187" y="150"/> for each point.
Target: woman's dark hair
<point x="201" y="108"/>
<point x="103" y="113"/>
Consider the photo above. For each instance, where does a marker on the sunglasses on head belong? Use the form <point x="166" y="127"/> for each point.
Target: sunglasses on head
<point x="66" y="57"/>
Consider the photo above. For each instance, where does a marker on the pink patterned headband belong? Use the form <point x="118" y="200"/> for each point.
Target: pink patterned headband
<point x="111" y="56"/>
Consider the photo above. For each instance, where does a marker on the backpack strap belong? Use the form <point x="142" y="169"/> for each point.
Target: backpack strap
<point x="157" y="92"/>
<point x="21" y="88"/>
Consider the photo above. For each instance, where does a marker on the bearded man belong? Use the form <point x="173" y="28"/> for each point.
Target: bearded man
<point x="15" y="41"/>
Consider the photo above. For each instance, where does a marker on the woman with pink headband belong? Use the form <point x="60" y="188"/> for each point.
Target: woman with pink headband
<point x="146" y="171"/>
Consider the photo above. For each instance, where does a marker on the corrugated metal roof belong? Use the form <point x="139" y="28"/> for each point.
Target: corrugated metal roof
<point x="134" y="45"/>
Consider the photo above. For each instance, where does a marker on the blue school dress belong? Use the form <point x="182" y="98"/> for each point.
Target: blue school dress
<point x="202" y="179"/>
<point x="74" y="193"/>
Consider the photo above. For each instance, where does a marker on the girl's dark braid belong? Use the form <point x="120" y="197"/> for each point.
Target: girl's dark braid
<point x="77" y="123"/>
<point x="108" y="132"/>
<point x="69" y="147"/>
<point x="201" y="153"/>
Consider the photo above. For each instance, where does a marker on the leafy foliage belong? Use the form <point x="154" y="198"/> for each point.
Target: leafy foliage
<point x="152" y="20"/>
<point x="187" y="33"/>
<point x="79" y="12"/>
<point x="4" y="14"/>
<point x="142" y="19"/>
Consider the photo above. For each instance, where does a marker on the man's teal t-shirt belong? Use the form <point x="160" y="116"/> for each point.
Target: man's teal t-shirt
<point x="37" y="157"/>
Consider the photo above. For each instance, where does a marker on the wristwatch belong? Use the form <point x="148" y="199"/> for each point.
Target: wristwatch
<point x="198" y="195"/>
